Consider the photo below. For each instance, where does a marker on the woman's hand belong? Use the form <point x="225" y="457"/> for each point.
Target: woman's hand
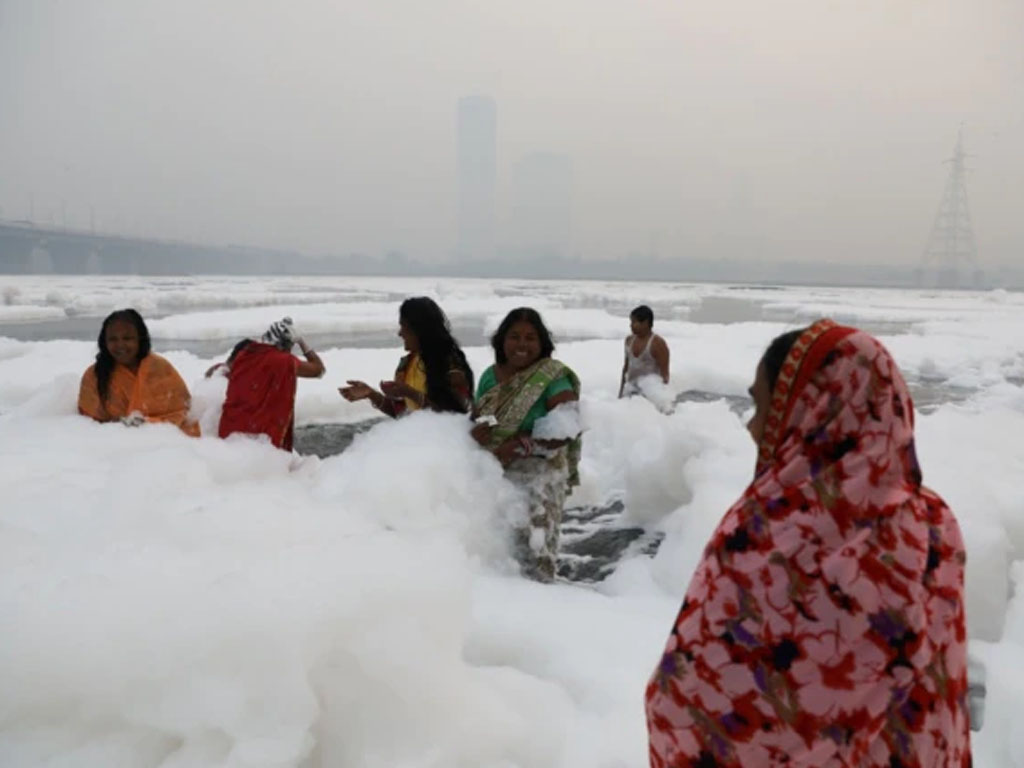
<point x="398" y="390"/>
<point x="214" y="368"/>
<point x="356" y="390"/>
<point x="481" y="432"/>
<point x="510" y="450"/>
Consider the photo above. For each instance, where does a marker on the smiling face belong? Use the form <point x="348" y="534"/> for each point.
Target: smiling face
<point x="122" y="340"/>
<point x="408" y="336"/>
<point x="521" y="345"/>
<point x="761" y="394"/>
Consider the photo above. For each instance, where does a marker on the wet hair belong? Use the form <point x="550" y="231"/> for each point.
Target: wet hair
<point x="438" y="349"/>
<point x="644" y="314"/>
<point x="238" y="348"/>
<point x="104" y="360"/>
<point x="521" y="314"/>
<point x="775" y="356"/>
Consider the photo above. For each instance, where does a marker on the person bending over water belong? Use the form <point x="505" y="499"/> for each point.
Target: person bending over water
<point x="131" y="383"/>
<point x="262" y="379"/>
<point x="435" y="373"/>
<point x="514" y="396"/>
<point x="824" y="625"/>
<point x="646" y="353"/>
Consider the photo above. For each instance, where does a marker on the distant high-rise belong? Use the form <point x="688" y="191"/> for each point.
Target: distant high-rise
<point x="542" y="206"/>
<point x="477" y="138"/>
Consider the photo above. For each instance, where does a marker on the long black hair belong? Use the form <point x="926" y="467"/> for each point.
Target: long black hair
<point x="522" y="314"/>
<point x="439" y="351"/>
<point x="104" y="360"/>
<point x="775" y="356"/>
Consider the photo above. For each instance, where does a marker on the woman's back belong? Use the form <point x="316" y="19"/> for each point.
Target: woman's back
<point x="260" y="397"/>
<point x="826" y="619"/>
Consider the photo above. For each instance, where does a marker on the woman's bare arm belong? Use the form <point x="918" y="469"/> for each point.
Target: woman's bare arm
<point x="312" y="367"/>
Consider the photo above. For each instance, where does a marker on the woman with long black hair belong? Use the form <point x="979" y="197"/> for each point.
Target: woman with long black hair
<point x="434" y="374"/>
<point x="129" y="382"/>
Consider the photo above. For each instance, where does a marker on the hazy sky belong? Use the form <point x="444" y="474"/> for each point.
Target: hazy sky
<point x="804" y="129"/>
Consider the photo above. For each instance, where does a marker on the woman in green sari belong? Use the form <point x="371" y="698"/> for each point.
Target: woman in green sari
<point x="539" y="449"/>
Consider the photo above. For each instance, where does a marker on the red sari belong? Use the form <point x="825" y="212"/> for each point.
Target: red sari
<point x="824" y="626"/>
<point x="261" y="394"/>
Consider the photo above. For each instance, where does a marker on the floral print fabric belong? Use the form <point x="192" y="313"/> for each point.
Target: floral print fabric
<point x="824" y="625"/>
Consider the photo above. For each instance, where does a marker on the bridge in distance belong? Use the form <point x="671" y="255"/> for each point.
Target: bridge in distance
<point x="32" y="248"/>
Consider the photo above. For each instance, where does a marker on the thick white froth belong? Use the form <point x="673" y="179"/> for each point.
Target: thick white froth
<point x="176" y="602"/>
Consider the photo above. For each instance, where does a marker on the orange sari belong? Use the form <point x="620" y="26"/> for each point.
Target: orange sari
<point x="155" y="391"/>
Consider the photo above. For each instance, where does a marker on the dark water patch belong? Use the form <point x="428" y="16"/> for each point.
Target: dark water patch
<point x="594" y="541"/>
<point x="927" y="395"/>
<point x="737" y="403"/>
<point x="755" y="287"/>
<point x="325" y="440"/>
<point x="930" y="394"/>
<point x="976" y="697"/>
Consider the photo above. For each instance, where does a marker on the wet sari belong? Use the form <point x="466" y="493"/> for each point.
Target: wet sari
<point x="412" y="372"/>
<point x="547" y="477"/>
<point x="155" y="391"/>
<point x="824" y="626"/>
<point x="261" y="394"/>
<point x="514" y="403"/>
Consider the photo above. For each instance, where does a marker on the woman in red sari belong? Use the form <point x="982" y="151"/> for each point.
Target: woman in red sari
<point x="262" y="379"/>
<point x="824" y="626"/>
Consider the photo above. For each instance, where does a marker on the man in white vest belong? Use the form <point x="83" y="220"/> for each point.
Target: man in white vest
<point x="646" y="353"/>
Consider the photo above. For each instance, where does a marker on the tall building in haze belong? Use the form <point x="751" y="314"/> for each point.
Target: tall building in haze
<point x="477" y="137"/>
<point x="541" y="224"/>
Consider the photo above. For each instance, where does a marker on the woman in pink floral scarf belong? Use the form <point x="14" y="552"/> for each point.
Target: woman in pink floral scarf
<point x="824" y="625"/>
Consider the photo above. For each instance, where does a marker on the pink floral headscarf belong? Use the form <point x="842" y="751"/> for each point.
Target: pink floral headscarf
<point x="824" y="625"/>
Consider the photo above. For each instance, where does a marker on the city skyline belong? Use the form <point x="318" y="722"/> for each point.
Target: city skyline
<point x="805" y="132"/>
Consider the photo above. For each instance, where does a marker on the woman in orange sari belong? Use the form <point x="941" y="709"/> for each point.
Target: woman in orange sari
<point x="824" y="626"/>
<point x="129" y="382"/>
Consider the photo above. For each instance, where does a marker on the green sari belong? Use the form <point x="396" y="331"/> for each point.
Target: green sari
<point x="511" y="401"/>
